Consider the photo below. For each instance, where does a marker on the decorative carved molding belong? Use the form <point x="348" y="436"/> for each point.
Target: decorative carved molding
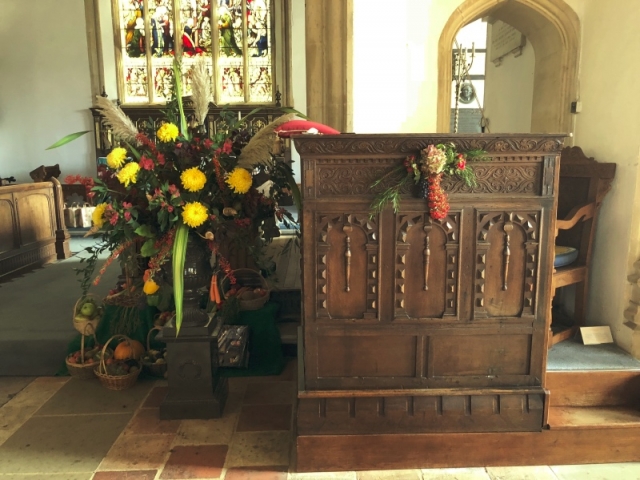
<point x="450" y="227"/>
<point x="346" y="222"/>
<point x="365" y="144"/>
<point x="412" y="413"/>
<point x="529" y="222"/>
<point x="496" y="178"/>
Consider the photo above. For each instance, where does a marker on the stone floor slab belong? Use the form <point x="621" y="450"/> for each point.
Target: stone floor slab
<point x="257" y="418"/>
<point x="217" y="431"/>
<point x="263" y="393"/>
<point x="38" y="392"/>
<point x="89" y="396"/>
<point x="259" y="449"/>
<point x="130" y="475"/>
<point x="195" y="461"/>
<point x="257" y="473"/>
<point x="147" y="421"/>
<point x="140" y="452"/>
<point x="11" y="386"/>
<point x="156" y="396"/>
<point x="389" y="475"/>
<point x="323" y="476"/>
<point x="61" y="444"/>
<point x="454" y="474"/>
<point x="521" y="473"/>
<point x="617" y="471"/>
<point x="48" y="476"/>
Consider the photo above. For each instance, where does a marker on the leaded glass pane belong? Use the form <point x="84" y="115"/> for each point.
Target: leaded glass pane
<point x="194" y="14"/>
<point x="162" y="28"/>
<point x="232" y="84"/>
<point x="135" y="81"/>
<point x="162" y="82"/>
<point x="187" y="70"/>
<point x="134" y="64"/>
<point x="259" y="42"/>
<point x="230" y="28"/>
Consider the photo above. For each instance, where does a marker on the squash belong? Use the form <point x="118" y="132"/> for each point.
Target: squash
<point x="125" y="350"/>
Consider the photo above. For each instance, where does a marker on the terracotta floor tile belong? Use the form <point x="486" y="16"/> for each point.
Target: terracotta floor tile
<point x="137" y="452"/>
<point x="288" y="374"/>
<point x="217" y="431"/>
<point x="49" y="476"/>
<point x="155" y="398"/>
<point x="262" y="393"/>
<point x="257" y="473"/>
<point x="147" y="421"/>
<point x="323" y="476"/>
<point x="197" y="461"/>
<point x="257" y="418"/>
<point x="131" y="475"/>
<point x="259" y="449"/>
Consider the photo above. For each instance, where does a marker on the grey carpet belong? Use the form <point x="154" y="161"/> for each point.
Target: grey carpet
<point x="573" y="355"/>
<point x="36" y="314"/>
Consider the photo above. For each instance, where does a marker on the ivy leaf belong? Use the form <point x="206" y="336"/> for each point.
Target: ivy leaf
<point x="145" y="231"/>
<point x="147" y="249"/>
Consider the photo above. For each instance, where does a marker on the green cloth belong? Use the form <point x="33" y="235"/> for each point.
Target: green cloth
<point x="104" y="331"/>
<point x="265" y="347"/>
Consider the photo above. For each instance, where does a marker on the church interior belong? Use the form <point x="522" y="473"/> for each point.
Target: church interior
<point x="446" y="221"/>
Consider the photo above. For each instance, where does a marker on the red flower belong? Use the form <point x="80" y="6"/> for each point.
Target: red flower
<point x="227" y="147"/>
<point x="160" y="159"/>
<point x="146" y="163"/>
<point x="462" y="164"/>
<point x="127" y="216"/>
<point x="114" y="218"/>
<point x="69" y="179"/>
<point x="173" y="190"/>
<point x="208" y="143"/>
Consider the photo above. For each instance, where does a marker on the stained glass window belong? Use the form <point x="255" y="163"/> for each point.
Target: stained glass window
<point x="235" y="37"/>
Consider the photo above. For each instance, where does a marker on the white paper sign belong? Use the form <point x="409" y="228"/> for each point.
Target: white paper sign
<point x="596" y="335"/>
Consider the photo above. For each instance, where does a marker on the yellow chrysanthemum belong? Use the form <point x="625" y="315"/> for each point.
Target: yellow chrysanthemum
<point x="193" y="179"/>
<point x="240" y="180"/>
<point x="168" y="132"/>
<point x="129" y="173"/>
<point x="150" y="287"/>
<point x="97" y="217"/>
<point x="116" y="158"/>
<point x="194" y="214"/>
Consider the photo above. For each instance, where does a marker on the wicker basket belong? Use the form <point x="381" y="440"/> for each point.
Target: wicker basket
<point x="116" y="382"/>
<point x="154" y="369"/>
<point x="83" y="370"/>
<point x="248" y="278"/>
<point x="81" y="323"/>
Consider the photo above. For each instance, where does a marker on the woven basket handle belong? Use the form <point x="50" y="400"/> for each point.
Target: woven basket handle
<point x="103" y="366"/>
<point x="149" y="337"/>
<point x="86" y="334"/>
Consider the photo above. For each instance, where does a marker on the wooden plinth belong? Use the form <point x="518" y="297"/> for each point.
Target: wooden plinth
<point x="550" y="447"/>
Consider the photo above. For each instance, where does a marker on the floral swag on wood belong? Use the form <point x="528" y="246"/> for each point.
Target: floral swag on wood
<point x="427" y="170"/>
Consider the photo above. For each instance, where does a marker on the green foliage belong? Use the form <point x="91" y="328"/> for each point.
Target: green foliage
<point x="69" y="138"/>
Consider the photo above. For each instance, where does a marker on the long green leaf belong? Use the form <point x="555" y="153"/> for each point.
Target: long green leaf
<point x="293" y="110"/>
<point x="177" y="78"/>
<point x="69" y="138"/>
<point x="179" y="253"/>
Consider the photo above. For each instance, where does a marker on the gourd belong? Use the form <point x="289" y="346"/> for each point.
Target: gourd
<point x="125" y="350"/>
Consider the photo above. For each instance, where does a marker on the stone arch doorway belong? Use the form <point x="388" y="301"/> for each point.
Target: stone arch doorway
<point x="553" y="28"/>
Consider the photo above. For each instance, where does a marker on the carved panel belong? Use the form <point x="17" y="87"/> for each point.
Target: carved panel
<point x="495" y="230"/>
<point x="341" y="259"/>
<point x="436" y="268"/>
<point x="35" y="216"/>
<point x="506" y="179"/>
<point x="371" y="144"/>
<point x="8" y="240"/>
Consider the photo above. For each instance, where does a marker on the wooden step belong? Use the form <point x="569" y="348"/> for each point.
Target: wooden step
<point x="566" y="418"/>
<point x="593" y="388"/>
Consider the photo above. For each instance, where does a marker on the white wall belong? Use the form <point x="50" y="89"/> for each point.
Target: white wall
<point x="44" y="87"/>
<point x="609" y="130"/>
<point x="395" y="56"/>
<point x="298" y="71"/>
<point x="508" y="95"/>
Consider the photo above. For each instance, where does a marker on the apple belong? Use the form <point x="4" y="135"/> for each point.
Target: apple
<point x="88" y="309"/>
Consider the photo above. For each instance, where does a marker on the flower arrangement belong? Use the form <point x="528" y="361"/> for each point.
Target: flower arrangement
<point x="87" y="182"/>
<point x="427" y="170"/>
<point x="160" y="185"/>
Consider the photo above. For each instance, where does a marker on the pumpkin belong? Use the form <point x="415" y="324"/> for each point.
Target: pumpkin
<point x="125" y="350"/>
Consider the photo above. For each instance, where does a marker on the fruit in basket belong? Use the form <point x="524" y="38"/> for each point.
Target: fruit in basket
<point x="131" y="349"/>
<point x="88" y="309"/>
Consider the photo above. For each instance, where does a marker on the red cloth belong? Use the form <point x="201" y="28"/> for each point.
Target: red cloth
<point x="295" y="127"/>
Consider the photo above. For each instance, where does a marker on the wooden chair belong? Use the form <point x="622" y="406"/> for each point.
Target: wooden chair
<point x="583" y="185"/>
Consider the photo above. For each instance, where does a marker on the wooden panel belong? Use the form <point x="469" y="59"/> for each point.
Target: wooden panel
<point x="367" y="356"/>
<point x="427" y="259"/>
<point x="419" y="413"/>
<point x="466" y="355"/>
<point x="35" y="213"/>
<point x="7" y="220"/>
<point x="326" y="453"/>
<point x="594" y="417"/>
<point x="593" y="388"/>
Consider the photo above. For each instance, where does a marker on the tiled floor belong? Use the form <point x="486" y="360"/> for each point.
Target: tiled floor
<point x="68" y="429"/>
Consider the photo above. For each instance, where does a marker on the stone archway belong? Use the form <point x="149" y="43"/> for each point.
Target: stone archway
<point x="553" y="28"/>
